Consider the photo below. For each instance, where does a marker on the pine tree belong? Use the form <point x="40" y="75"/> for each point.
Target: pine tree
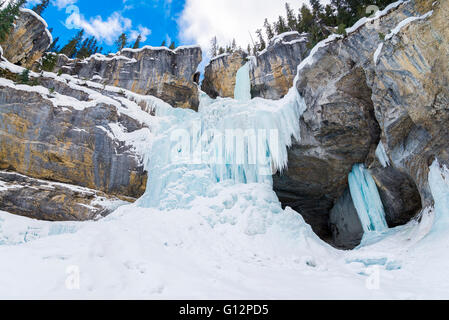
<point x="249" y="49"/>
<point x="7" y="17"/>
<point x="262" y="44"/>
<point x="121" y="42"/>
<point x="281" y="25"/>
<point x="213" y="47"/>
<point x="268" y="29"/>
<point x="291" y="19"/>
<point x="164" y="44"/>
<point x="306" y="19"/>
<point x="72" y="47"/>
<point x="41" y="7"/>
<point x="172" y="46"/>
<point x="317" y="8"/>
<point x="137" y="43"/>
<point x="233" y="45"/>
<point x="54" y="47"/>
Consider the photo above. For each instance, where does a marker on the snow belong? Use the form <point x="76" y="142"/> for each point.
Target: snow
<point x="219" y="56"/>
<point x="238" y="250"/>
<point x="377" y="52"/>
<point x="378" y="15"/>
<point x="405" y="22"/>
<point x="175" y="51"/>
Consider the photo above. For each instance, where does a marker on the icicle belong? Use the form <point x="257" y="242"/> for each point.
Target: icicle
<point x="240" y="140"/>
<point x="382" y="155"/>
<point x="242" y="91"/>
<point x="367" y="200"/>
<point x="439" y="186"/>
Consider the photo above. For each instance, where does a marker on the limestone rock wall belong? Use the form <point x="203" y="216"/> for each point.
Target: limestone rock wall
<point x="160" y="72"/>
<point x="28" y="40"/>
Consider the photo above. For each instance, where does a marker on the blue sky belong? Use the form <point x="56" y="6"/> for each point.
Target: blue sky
<point x="156" y="20"/>
<point x="184" y="21"/>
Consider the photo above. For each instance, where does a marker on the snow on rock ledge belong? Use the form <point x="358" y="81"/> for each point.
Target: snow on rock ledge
<point x="157" y="71"/>
<point x="44" y="200"/>
<point x="272" y="71"/>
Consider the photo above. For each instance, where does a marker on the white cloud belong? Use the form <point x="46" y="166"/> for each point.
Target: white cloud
<point x="227" y="19"/>
<point x="143" y="31"/>
<point x="63" y="3"/>
<point x="106" y="30"/>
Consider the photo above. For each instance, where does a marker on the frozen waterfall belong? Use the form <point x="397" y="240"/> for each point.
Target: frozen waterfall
<point x="239" y="140"/>
<point x="366" y="200"/>
<point x="242" y="90"/>
<point x="439" y="186"/>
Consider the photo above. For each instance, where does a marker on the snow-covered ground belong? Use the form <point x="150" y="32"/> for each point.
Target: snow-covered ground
<point x="246" y="251"/>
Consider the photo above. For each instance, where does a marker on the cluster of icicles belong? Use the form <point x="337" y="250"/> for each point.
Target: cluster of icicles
<point x="238" y="140"/>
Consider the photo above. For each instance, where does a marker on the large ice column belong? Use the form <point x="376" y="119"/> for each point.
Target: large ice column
<point x="242" y="90"/>
<point x="439" y="186"/>
<point x="367" y="200"/>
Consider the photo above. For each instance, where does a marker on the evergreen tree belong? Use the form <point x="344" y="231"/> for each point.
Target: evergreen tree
<point x="281" y="25"/>
<point x="213" y="47"/>
<point x="41" y="7"/>
<point x="172" y="46"/>
<point x="164" y="44"/>
<point x="262" y="44"/>
<point x="121" y="42"/>
<point x="268" y="29"/>
<point x="7" y="17"/>
<point x="291" y="19"/>
<point x="54" y="47"/>
<point x="221" y="50"/>
<point x="306" y="19"/>
<point x="137" y="43"/>
<point x="317" y="8"/>
<point x="72" y="47"/>
<point x="233" y="46"/>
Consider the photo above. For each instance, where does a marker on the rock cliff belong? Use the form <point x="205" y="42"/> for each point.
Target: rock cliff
<point x="28" y="40"/>
<point x="386" y="80"/>
<point x="170" y="75"/>
<point x="272" y="71"/>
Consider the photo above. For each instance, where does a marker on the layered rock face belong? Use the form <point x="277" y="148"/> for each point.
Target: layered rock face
<point x="220" y="74"/>
<point x="272" y="71"/>
<point x="59" y="141"/>
<point x="341" y="126"/>
<point x="411" y="94"/>
<point x="28" y="40"/>
<point x="167" y="74"/>
<point x="276" y="67"/>
<point x="51" y="201"/>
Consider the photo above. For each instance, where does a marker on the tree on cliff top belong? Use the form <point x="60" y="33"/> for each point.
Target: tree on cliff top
<point x="8" y="15"/>
<point x="121" y="42"/>
<point x="71" y="48"/>
<point x="39" y="8"/>
<point x="137" y="43"/>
